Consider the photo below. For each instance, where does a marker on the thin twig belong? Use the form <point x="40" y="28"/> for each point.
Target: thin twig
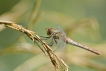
<point x="35" y="38"/>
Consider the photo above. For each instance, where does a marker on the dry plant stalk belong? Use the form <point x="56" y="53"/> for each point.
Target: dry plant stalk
<point x="56" y="61"/>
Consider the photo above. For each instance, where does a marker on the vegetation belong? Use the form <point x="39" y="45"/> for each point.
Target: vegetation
<point x="80" y="20"/>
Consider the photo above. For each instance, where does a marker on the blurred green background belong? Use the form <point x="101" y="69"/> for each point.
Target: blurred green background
<point x="82" y="20"/>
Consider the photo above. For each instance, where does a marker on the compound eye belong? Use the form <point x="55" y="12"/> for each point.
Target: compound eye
<point x="49" y="29"/>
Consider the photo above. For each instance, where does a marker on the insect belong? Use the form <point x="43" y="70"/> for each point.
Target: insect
<point x="59" y="37"/>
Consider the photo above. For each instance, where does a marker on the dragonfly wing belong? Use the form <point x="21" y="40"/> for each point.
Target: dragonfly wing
<point x="60" y="45"/>
<point x="62" y="32"/>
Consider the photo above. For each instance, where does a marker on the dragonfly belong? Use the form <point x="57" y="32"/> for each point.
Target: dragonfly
<point x="60" y="38"/>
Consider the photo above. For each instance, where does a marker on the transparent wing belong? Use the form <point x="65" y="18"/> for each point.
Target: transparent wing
<point x="62" y="32"/>
<point x="61" y="43"/>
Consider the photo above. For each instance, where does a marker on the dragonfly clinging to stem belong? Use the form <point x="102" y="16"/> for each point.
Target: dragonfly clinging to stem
<point x="61" y="40"/>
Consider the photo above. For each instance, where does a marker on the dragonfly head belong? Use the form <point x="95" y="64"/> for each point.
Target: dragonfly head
<point x="49" y="31"/>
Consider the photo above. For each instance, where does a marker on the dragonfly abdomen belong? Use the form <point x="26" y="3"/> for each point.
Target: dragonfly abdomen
<point x="70" y="41"/>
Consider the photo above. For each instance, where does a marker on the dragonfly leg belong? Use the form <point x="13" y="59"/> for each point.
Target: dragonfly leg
<point x="51" y="43"/>
<point x="44" y="38"/>
<point x="55" y="41"/>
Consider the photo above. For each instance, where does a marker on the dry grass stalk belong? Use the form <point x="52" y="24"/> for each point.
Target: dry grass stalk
<point x="56" y="61"/>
